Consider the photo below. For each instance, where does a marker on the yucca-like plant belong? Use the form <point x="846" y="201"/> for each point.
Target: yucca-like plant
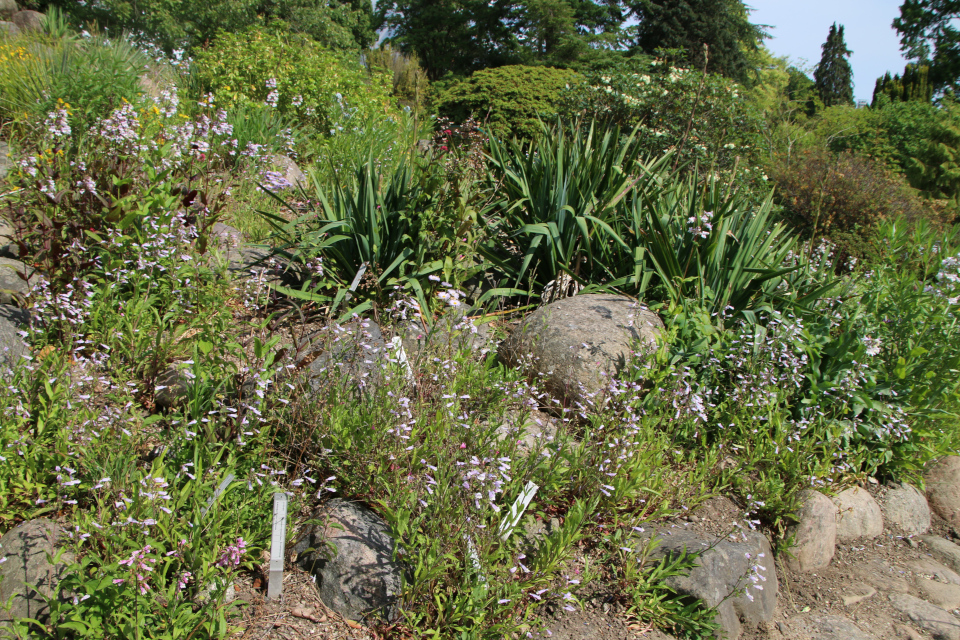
<point x="703" y="241"/>
<point x="373" y="236"/>
<point x="559" y="195"/>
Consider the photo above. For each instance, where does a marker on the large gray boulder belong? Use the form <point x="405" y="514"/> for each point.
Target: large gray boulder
<point x="812" y="626"/>
<point x="929" y="617"/>
<point x="7" y="30"/>
<point x="744" y="568"/>
<point x="26" y="548"/>
<point x="12" y="344"/>
<point x="12" y="286"/>
<point x="943" y="551"/>
<point x="858" y="515"/>
<point x="355" y="353"/>
<point x="577" y="345"/>
<point x="906" y="507"/>
<point x="27" y="20"/>
<point x="449" y="334"/>
<point x="6" y="162"/>
<point x="7" y="9"/>
<point x="358" y="577"/>
<point x="943" y="489"/>
<point x="815" y="534"/>
<point x="288" y="169"/>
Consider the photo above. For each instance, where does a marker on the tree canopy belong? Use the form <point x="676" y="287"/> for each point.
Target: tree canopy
<point x="929" y="34"/>
<point x="463" y="36"/>
<point x="723" y="25"/>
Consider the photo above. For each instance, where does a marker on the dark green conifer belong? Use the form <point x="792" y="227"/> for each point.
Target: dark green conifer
<point x="833" y="77"/>
<point x="914" y="86"/>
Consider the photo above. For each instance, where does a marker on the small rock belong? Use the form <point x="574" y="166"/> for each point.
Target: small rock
<point x="906" y="507"/>
<point x="354" y="352"/>
<point x="26" y="547"/>
<point x="27" y="20"/>
<point x="361" y="578"/>
<point x="12" y="287"/>
<point x="927" y="568"/>
<point x="941" y="594"/>
<point x="880" y="575"/>
<point x="811" y="626"/>
<point x="7" y="9"/>
<point x="931" y="618"/>
<point x="815" y="534"/>
<point x="943" y="551"/>
<point x="725" y="567"/>
<point x="859" y="515"/>
<point x="718" y="509"/>
<point x="6" y="162"/>
<point x="171" y="387"/>
<point x="12" y="344"/>
<point x="530" y="430"/>
<point x="943" y="488"/>
<point x="7" y="30"/>
<point x="578" y="344"/>
<point x="289" y="169"/>
<point x="8" y="248"/>
<point x="451" y="332"/>
<point x="907" y="633"/>
<point x="858" y="593"/>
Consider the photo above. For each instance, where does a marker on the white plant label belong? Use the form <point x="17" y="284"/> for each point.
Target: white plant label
<point x="516" y="510"/>
<point x="278" y="541"/>
<point x="397" y="343"/>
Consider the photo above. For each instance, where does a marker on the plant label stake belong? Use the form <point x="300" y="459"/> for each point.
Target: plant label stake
<point x="356" y="279"/>
<point x="353" y="286"/>
<point x="216" y="494"/>
<point x="516" y="510"/>
<point x="277" y="543"/>
<point x="475" y="561"/>
<point x="397" y="343"/>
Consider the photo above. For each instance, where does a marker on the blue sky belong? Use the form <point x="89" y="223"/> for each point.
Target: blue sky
<point x="800" y="28"/>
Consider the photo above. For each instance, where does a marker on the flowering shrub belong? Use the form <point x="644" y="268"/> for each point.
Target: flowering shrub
<point x="832" y="194"/>
<point x="130" y="165"/>
<point x="292" y="74"/>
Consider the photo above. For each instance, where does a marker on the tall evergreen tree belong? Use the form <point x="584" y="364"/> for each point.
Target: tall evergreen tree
<point x="724" y="25"/>
<point x="833" y="77"/>
<point x="458" y="36"/>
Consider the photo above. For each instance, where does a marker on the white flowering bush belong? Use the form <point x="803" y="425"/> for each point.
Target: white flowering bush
<point x="705" y="120"/>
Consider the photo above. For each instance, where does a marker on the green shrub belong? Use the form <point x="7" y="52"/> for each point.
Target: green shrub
<point x="179" y="24"/>
<point x="826" y="193"/>
<point x="510" y="100"/>
<point x="298" y="76"/>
